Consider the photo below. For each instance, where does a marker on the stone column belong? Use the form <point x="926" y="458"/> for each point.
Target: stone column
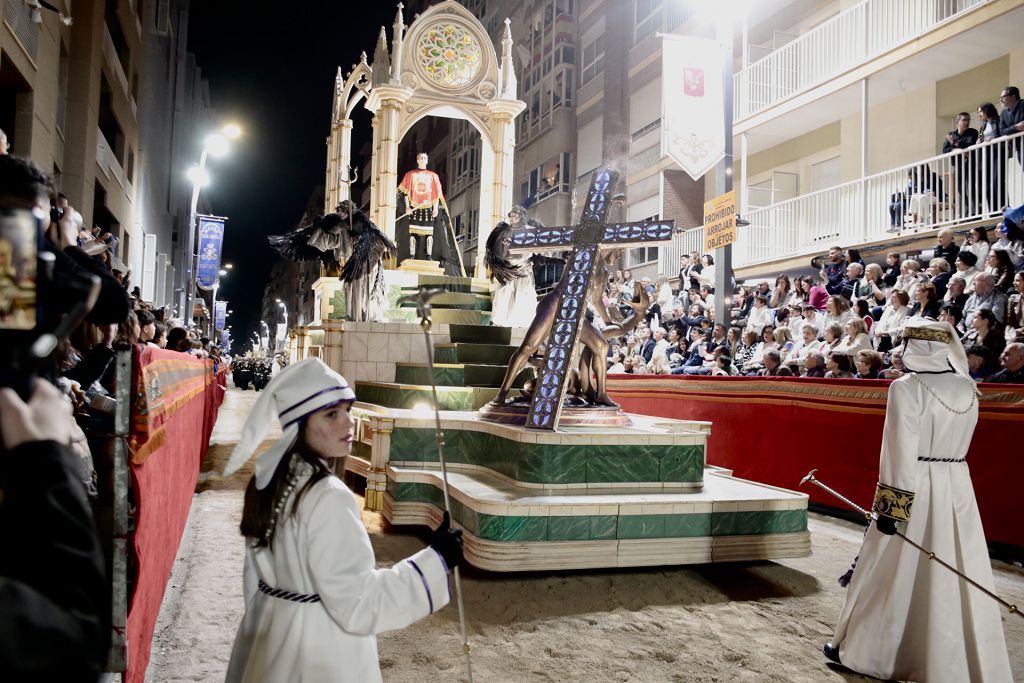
<point x="503" y="139"/>
<point x="386" y="102"/>
<point x="341" y="170"/>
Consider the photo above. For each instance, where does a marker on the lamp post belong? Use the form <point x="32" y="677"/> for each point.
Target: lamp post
<point x="215" y="144"/>
<point x="284" y="308"/>
<point x="213" y="301"/>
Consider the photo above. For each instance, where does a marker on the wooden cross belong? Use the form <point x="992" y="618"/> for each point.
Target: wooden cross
<point x="587" y="240"/>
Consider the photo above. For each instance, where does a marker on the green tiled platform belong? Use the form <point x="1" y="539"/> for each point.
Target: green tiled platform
<point x="392" y="395"/>
<point x="477" y="334"/>
<point x="489" y="354"/>
<point x="455" y="374"/>
<point x="508" y="529"/>
<point x="461" y="300"/>
<point x="441" y="316"/>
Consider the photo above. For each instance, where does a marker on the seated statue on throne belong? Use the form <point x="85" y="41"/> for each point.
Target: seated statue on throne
<point x="423" y="229"/>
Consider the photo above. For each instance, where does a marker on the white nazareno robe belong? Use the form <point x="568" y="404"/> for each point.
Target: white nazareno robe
<point x="906" y="617"/>
<point x="324" y="549"/>
<point x="515" y="303"/>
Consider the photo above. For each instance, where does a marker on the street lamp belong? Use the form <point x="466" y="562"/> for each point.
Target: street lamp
<point x="284" y="308"/>
<point x="217" y="145"/>
<point x="213" y="302"/>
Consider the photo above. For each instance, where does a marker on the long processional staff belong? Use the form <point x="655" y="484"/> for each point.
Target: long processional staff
<point x="906" y="617"/>
<point x="314" y="600"/>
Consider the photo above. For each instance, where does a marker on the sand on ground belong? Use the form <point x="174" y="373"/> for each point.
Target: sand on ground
<point x="746" y="621"/>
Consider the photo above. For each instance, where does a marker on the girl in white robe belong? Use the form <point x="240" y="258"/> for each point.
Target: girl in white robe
<point x="906" y="617"/>
<point x="314" y="600"/>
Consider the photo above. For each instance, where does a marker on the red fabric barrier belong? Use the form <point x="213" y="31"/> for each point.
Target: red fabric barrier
<point x="175" y="402"/>
<point x="776" y="430"/>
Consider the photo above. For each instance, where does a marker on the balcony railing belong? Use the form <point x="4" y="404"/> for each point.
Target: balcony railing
<point x="949" y="191"/>
<point x="839" y="44"/>
<point x="108" y="163"/>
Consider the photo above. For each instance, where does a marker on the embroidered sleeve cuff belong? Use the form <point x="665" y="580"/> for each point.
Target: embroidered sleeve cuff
<point x="434" y="576"/>
<point x="892" y="502"/>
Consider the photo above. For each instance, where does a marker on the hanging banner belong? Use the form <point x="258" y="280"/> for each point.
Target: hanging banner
<point x="220" y="314"/>
<point x="225" y="339"/>
<point x="211" y="241"/>
<point x="692" y="103"/>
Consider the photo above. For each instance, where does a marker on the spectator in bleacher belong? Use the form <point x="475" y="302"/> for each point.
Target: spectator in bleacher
<point x="690" y="267"/>
<point x="798" y="295"/>
<point x="855" y="340"/>
<point x="646" y="344"/>
<point x="868" y="363"/>
<point x="178" y="340"/>
<point x="985" y="330"/>
<point x="780" y="295"/>
<point x="927" y="304"/>
<point x="734" y="341"/>
<point x="806" y="345"/>
<point x="888" y="327"/>
<point x="874" y="288"/>
<point x="951" y="314"/>
<point x="910" y="276"/>
<point x="661" y="344"/>
<point x="1012" y="361"/>
<point x="659" y="365"/>
<point x="1011" y="235"/>
<point x="863" y="311"/>
<point x="977" y="242"/>
<point x="773" y="366"/>
<point x="1015" y="305"/>
<point x="706" y="276"/>
<point x="961" y="138"/>
<point x="1000" y="267"/>
<point x="847" y="286"/>
<point x="147" y="325"/>
<point x="707" y="295"/>
<point x="995" y="185"/>
<point x="896" y="368"/>
<point x="838" y="310"/>
<point x="834" y="269"/>
<point x="979" y="362"/>
<point x="839" y="366"/>
<point x="811" y="316"/>
<point x="852" y="255"/>
<point x="965" y="269"/>
<point x="616" y="366"/>
<point x="675" y="344"/>
<point x="159" y="335"/>
<point x="760" y="314"/>
<point x="832" y="337"/>
<point x="750" y="348"/>
<point x="725" y="366"/>
<point x="784" y="342"/>
<point x="814" y="365"/>
<point x="946" y="247"/>
<point x="781" y="318"/>
<point x="892" y="269"/>
<point x="817" y="295"/>
<point x="956" y="292"/>
<point x="939" y="271"/>
<point x="985" y="296"/>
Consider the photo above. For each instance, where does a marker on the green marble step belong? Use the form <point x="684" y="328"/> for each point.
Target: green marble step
<point x="486" y="354"/>
<point x="440" y="316"/>
<point x="477" y="334"/>
<point x="556" y="464"/>
<point x="458" y="300"/>
<point x="456" y="374"/>
<point x="395" y="395"/>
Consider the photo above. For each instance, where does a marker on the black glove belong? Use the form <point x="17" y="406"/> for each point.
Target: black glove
<point x="447" y="542"/>
<point x="887" y="525"/>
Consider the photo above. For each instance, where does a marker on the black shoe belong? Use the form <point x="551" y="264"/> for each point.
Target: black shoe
<point x="831" y="652"/>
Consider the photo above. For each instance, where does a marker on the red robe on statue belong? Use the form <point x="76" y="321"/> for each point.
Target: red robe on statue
<point x="423" y="187"/>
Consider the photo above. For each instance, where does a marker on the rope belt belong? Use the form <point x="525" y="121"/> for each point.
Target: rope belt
<point x="287" y="595"/>
<point x="942" y="459"/>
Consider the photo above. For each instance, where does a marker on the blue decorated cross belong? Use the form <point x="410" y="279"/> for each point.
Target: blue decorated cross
<point x="587" y="240"/>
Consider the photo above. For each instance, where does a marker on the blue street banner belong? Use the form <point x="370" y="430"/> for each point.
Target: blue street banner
<point x="211" y="242"/>
<point x="225" y="339"/>
<point x="220" y="311"/>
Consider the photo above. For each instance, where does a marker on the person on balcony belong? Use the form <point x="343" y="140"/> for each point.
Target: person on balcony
<point x="1011" y="118"/>
<point x="992" y="161"/>
<point x="960" y="139"/>
<point x="898" y="201"/>
<point x="1011" y="235"/>
<point x="921" y="206"/>
<point x="905" y="617"/>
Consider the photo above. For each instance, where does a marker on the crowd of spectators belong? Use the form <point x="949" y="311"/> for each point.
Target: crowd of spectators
<point x="844" y="321"/>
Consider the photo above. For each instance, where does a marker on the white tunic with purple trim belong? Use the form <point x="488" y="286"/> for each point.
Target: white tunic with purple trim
<point x="314" y="605"/>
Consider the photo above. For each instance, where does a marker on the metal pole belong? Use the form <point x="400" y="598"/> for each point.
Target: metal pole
<point x="188" y="277"/>
<point x="723" y="172"/>
<point x="1013" y="609"/>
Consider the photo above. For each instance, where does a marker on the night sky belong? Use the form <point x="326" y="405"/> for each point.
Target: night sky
<point x="273" y="72"/>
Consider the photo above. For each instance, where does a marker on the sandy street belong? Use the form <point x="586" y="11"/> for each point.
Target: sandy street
<point x="761" y="621"/>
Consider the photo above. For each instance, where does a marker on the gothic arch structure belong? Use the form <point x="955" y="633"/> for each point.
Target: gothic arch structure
<point x="443" y="64"/>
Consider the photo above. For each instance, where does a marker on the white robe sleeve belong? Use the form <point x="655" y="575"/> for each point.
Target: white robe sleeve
<point x="361" y="599"/>
<point x="898" y="463"/>
<point x="250" y="580"/>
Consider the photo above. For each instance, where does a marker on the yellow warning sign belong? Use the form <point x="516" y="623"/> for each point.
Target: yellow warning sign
<point x="720" y="221"/>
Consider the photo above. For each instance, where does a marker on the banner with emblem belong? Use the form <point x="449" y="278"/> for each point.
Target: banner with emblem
<point x="220" y="314"/>
<point x="211" y="242"/>
<point x="692" y="103"/>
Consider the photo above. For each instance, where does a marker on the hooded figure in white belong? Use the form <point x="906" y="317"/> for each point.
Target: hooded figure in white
<point x="314" y="600"/>
<point x="906" y="617"/>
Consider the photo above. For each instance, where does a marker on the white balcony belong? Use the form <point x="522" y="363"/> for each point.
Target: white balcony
<point x="107" y="161"/>
<point x="953" y="190"/>
<point x="849" y="39"/>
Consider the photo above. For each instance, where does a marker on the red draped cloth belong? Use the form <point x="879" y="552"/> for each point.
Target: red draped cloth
<point x="175" y="398"/>
<point x="775" y="430"/>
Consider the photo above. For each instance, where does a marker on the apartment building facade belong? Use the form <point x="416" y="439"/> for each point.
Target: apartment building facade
<point x="82" y="101"/>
